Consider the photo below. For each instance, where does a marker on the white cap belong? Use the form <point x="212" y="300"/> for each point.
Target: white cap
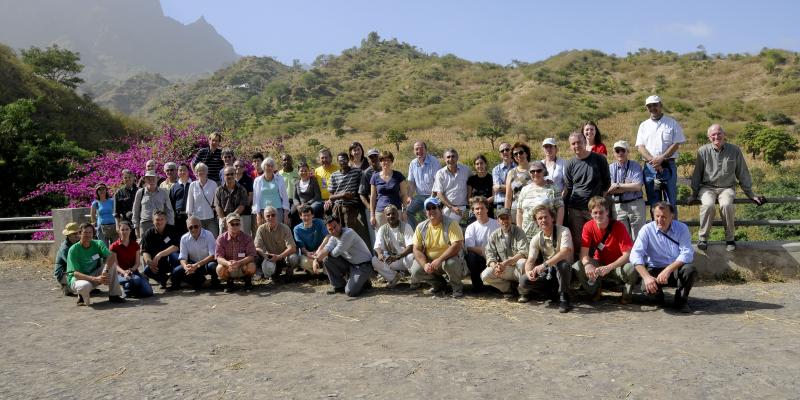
<point x="621" y="144"/>
<point x="549" y="141"/>
<point x="652" y="100"/>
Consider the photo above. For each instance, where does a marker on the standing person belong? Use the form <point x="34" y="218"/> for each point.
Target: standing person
<point x="269" y="189"/>
<point x="160" y="245"/>
<point x="85" y="269"/>
<point x="718" y="166"/>
<point x="537" y="192"/>
<point x="307" y="193"/>
<point x="499" y="173"/>
<point x="356" y="157"/>
<point x="554" y="165"/>
<point x="324" y="172"/>
<point x="344" y="201"/>
<point x="605" y="251"/>
<point x="518" y="177"/>
<point x="231" y="197"/>
<point x="450" y="186"/>
<point x="476" y="237"/>
<point x="244" y="179"/>
<point x="585" y="176"/>
<point x="197" y="256"/>
<point x="387" y="187"/>
<point x="365" y="189"/>
<point x="274" y="246"/>
<point x="394" y="246"/>
<point x="308" y="236"/>
<point x="102" y="214"/>
<point x="125" y="196"/>
<point x="480" y="184"/>
<point x="290" y="177"/>
<point x="149" y="199"/>
<point x="72" y="233"/>
<point x="236" y="255"/>
<point x="663" y="256"/>
<point x="594" y="139"/>
<point x="626" y="189"/>
<point x="554" y="244"/>
<point x="200" y="201"/>
<point x="171" y="172"/>
<point x="506" y="253"/>
<point x="421" y="174"/>
<point x="345" y="254"/>
<point x="228" y="159"/>
<point x="179" y="197"/>
<point x="150" y="166"/>
<point x="211" y="157"/>
<point x="438" y="252"/>
<point x="658" y="140"/>
<point x="128" y="263"/>
<point x="257" y="158"/>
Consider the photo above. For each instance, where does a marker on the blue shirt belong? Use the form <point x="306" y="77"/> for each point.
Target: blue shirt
<point x="310" y="238"/>
<point x="630" y="172"/>
<point x="422" y="176"/>
<point x="105" y="211"/>
<point x="499" y="173"/>
<point x="654" y="249"/>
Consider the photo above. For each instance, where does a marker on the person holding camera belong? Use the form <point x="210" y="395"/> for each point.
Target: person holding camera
<point x="658" y="140"/>
<point x="626" y="189"/>
<point x="554" y="272"/>
<point x="274" y="245"/>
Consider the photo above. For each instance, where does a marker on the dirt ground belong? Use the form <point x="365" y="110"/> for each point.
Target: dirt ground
<point x="296" y="342"/>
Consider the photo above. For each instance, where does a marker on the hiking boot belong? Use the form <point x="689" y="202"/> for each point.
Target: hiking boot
<point x="702" y="245"/>
<point x="413" y="285"/>
<point x="508" y="295"/>
<point x="523" y="298"/>
<point x="215" y="284"/>
<point x="229" y="286"/>
<point x="598" y="295"/>
<point x="730" y="245"/>
<point x="564" y="304"/>
<point x="683" y="308"/>
<point x="248" y="284"/>
<point x="333" y="290"/>
<point x="116" y="299"/>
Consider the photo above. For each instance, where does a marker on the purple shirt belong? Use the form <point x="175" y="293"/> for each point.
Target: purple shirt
<point x="388" y="191"/>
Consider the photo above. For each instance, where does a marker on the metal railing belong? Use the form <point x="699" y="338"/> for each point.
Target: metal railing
<point x="26" y="219"/>
<point x="768" y="222"/>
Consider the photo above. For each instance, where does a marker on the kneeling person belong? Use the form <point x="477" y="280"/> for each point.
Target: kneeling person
<point x="160" y="250"/>
<point x="236" y="254"/>
<point x="274" y="245"/>
<point x="85" y="269"/>
<point x="344" y="253"/>
<point x="554" y="244"/>
<point x="394" y="246"/>
<point x="506" y="253"/>
<point x="605" y="250"/>
<point x="438" y="245"/>
<point x="663" y="256"/>
<point x="308" y="236"/>
<point x="197" y="256"/>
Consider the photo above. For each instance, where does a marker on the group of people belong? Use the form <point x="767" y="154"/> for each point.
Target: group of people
<point x="524" y="224"/>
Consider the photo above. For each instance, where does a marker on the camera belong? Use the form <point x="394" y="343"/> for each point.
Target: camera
<point x="658" y="183"/>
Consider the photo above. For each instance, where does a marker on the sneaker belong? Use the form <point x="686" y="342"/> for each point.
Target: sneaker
<point x="80" y="301"/>
<point x="116" y="299"/>
<point x="229" y="286"/>
<point x="523" y="298"/>
<point x="564" y="304"/>
<point x="394" y="281"/>
<point x="683" y="308"/>
<point x="458" y="293"/>
<point x="730" y="246"/>
<point x="248" y="284"/>
<point x="702" y="245"/>
<point x="66" y="290"/>
<point x="434" y="290"/>
<point x="333" y="290"/>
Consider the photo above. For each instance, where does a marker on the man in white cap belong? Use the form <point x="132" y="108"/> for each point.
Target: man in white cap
<point x="658" y="140"/>
<point x="626" y="189"/>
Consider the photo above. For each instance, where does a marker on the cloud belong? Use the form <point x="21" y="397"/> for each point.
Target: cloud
<point x="698" y="29"/>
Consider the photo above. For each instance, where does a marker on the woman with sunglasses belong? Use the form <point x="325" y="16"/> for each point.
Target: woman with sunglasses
<point x="594" y="140"/>
<point x="518" y="177"/>
<point x="102" y="214"/>
<point x="128" y="261"/>
<point x="539" y="191"/>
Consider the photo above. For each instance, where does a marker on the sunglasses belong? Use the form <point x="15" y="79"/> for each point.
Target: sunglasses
<point x="229" y="174"/>
<point x="269" y="215"/>
<point x="516" y="153"/>
<point x="620" y="150"/>
<point x="431" y="208"/>
<point x="504" y="150"/>
<point x="234" y="223"/>
<point x="193" y="227"/>
<point x="536" y="171"/>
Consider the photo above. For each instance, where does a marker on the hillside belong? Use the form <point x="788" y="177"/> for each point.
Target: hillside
<point x="130" y="95"/>
<point x="386" y="84"/>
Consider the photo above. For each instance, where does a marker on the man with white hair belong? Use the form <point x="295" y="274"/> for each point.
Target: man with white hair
<point x="719" y="165"/>
<point x="197" y="256"/>
<point x="274" y="245"/>
<point x="658" y="140"/>
<point x="171" y="172"/>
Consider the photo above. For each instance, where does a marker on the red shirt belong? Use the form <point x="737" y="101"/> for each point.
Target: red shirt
<point x="618" y="241"/>
<point x="600" y="149"/>
<point x="126" y="255"/>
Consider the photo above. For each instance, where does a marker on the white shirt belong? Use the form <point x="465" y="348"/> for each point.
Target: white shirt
<point x="200" y="199"/>
<point x="477" y="234"/>
<point x="556" y="175"/>
<point x="453" y="186"/>
<point x="657" y="136"/>
<point x="395" y="236"/>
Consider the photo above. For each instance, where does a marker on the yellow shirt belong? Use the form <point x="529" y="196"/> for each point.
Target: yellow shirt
<point x="324" y="178"/>
<point x="435" y="244"/>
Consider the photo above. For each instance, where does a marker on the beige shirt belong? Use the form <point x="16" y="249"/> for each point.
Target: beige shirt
<point x="274" y="241"/>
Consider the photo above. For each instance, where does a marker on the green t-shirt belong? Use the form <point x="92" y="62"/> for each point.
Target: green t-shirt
<point x="85" y="260"/>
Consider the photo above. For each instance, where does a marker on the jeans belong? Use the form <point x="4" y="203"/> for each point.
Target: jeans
<point x="197" y="278"/>
<point x="166" y="266"/>
<point x="668" y="192"/>
<point x="338" y="267"/>
<point x="135" y="286"/>
<point x="476" y="264"/>
<point x="682" y="279"/>
<point x="416" y="206"/>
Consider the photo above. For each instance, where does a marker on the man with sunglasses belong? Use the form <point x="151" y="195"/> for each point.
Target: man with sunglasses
<point x="658" y="140"/>
<point x="450" y="186"/>
<point x="499" y="173"/>
<point x="626" y="189"/>
<point x="171" y="172"/>
<point x="438" y="252"/>
<point x="232" y="197"/>
<point x="274" y="245"/>
<point x="236" y="254"/>
<point x="197" y="257"/>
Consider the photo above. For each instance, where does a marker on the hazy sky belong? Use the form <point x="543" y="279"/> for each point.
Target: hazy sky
<point x="497" y="31"/>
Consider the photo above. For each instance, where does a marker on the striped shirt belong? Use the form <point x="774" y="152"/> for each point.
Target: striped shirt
<point x="346" y="182"/>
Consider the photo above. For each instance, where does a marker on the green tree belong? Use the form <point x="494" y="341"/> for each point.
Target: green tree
<point x="54" y="63"/>
<point x="396" y="136"/>
<point x="497" y="124"/>
<point x="786" y="185"/>
<point x="775" y="144"/>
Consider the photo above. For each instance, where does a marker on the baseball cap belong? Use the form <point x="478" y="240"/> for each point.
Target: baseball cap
<point x="502" y="211"/>
<point x="621" y="144"/>
<point x="652" y="100"/>
<point x="549" y="141"/>
<point x="373" y="152"/>
<point x="432" y="200"/>
<point x="232" y="217"/>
